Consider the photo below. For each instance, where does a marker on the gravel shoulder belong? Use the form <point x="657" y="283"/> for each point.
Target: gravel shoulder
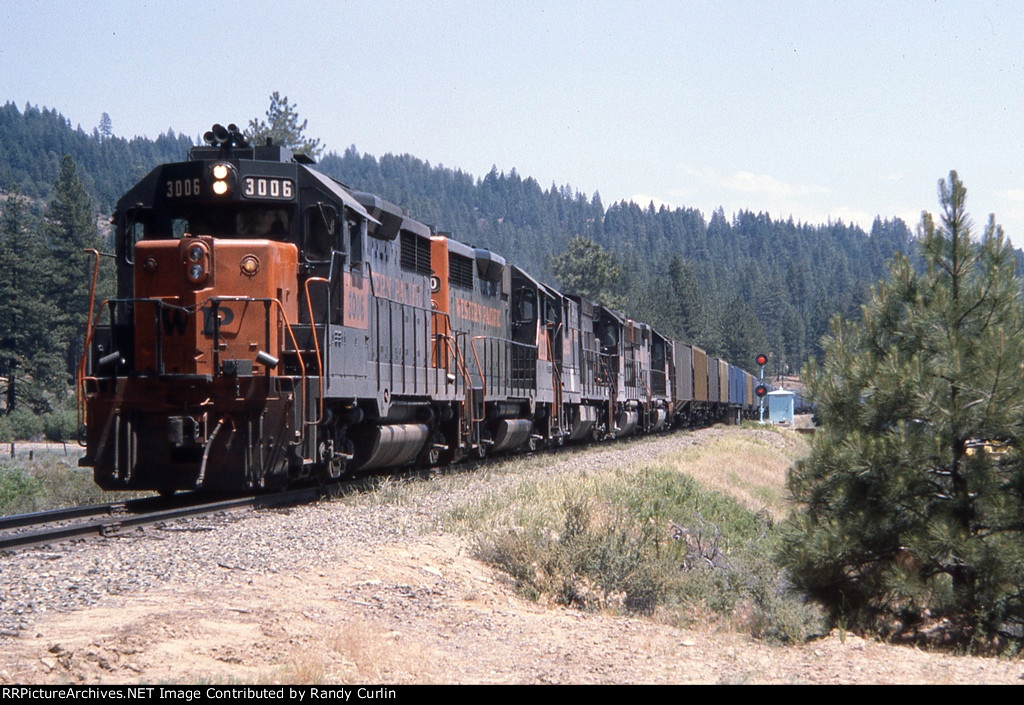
<point x="371" y="590"/>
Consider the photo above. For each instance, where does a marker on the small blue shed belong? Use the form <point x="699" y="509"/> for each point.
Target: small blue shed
<point x="780" y="406"/>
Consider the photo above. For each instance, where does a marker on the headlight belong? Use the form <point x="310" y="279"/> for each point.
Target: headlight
<point x="250" y="265"/>
<point x="224" y="178"/>
<point x="195" y="257"/>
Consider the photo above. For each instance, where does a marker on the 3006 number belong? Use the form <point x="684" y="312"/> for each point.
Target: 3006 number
<point x="262" y="187"/>
<point x="182" y="188"/>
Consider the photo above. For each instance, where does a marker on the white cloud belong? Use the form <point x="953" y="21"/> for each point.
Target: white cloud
<point x="910" y="217"/>
<point x="643" y="200"/>
<point x="806" y="202"/>
<point x="853" y="216"/>
<point x="747" y="182"/>
<point x="765" y="185"/>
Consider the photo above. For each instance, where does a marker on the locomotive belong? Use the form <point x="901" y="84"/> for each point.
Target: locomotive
<point x="273" y="326"/>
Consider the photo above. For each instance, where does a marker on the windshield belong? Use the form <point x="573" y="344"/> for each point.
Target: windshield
<point x="236" y="222"/>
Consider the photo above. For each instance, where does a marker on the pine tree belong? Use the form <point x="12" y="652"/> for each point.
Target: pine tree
<point x="591" y="271"/>
<point x="30" y="359"/>
<point x="283" y="127"/>
<point x="106" y="127"/>
<point x="914" y="491"/>
<point x="71" y="228"/>
<point x="745" y="337"/>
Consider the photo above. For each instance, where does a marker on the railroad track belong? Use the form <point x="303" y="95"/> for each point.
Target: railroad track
<point x="53" y="526"/>
<point x="40" y="528"/>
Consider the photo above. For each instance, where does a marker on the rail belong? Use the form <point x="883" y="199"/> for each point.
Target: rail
<point x="60" y="525"/>
<point x="555" y="420"/>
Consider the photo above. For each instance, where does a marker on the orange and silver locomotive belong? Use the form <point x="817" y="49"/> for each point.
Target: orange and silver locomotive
<point x="272" y="325"/>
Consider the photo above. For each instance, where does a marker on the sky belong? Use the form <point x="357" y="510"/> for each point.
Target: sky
<point x="820" y="111"/>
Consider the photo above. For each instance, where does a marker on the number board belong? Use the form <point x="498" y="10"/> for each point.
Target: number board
<point x="181" y="188"/>
<point x="268" y="187"/>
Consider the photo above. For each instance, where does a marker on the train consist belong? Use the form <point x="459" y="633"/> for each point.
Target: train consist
<point x="274" y="326"/>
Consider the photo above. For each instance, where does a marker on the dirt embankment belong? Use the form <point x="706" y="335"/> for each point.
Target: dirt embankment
<point x="376" y="591"/>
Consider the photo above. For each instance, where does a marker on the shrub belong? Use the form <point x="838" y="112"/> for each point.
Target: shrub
<point x="651" y="543"/>
<point x="22" y="425"/>
<point x="18" y="489"/>
<point x="60" y="425"/>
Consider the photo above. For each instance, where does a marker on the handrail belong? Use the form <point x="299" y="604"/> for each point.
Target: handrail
<point x="80" y="372"/>
<point x="479" y="367"/>
<point x="506" y="341"/>
<point x="159" y="302"/>
<point x="613" y="389"/>
<point x="556" y="384"/>
<point x="467" y="383"/>
<point x="284" y="317"/>
<point x="316" y="344"/>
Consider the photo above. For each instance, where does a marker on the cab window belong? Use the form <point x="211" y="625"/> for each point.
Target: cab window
<point x="356" y="233"/>
<point x="524" y="309"/>
<point x="321" y="226"/>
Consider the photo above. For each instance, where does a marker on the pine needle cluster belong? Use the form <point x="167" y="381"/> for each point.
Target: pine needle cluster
<point x="282" y="127"/>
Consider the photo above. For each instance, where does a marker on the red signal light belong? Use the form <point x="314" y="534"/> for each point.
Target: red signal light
<point x="761" y="391"/>
<point x="762" y="359"/>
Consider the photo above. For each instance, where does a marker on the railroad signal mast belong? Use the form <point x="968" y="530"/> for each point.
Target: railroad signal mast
<point x="762" y="388"/>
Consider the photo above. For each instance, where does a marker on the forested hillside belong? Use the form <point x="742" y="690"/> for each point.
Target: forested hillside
<point x="737" y="284"/>
<point x="34" y="141"/>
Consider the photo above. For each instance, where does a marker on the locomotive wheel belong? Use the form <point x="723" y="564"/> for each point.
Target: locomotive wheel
<point x="481" y="448"/>
<point x="432" y="455"/>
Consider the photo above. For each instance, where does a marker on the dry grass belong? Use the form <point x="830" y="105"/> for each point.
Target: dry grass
<point x="358" y="653"/>
<point x="747" y="464"/>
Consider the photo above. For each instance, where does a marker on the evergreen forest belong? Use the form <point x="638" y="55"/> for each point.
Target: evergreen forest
<point x="736" y="284"/>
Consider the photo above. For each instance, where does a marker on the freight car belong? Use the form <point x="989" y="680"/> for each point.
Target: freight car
<point x="273" y="326"/>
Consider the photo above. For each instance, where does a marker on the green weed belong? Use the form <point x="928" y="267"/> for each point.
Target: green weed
<point x="648" y="542"/>
<point x="49" y="479"/>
